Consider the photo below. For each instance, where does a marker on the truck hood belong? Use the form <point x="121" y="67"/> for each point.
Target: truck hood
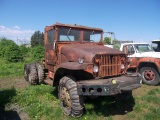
<point x="149" y="54"/>
<point x="86" y="51"/>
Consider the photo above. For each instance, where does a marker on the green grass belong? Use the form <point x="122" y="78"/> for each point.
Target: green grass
<point x="147" y="106"/>
<point x="8" y="69"/>
<point x="38" y="101"/>
<point x="41" y="103"/>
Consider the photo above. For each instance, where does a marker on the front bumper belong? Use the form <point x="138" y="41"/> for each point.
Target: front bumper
<point x="111" y="86"/>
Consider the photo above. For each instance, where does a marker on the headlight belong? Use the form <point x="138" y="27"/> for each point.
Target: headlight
<point x="95" y="69"/>
<point x="122" y="66"/>
<point x="114" y="81"/>
<point x="80" y="60"/>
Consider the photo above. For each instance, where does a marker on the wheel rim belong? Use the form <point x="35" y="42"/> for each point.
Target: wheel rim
<point x="149" y="75"/>
<point x="65" y="98"/>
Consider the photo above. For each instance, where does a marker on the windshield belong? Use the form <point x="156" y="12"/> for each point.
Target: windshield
<point x="92" y="36"/>
<point x="143" y="48"/>
<point x="74" y="35"/>
<point x="68" y="34"/>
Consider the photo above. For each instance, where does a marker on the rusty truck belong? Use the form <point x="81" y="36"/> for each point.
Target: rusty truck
<point x="78" y="63"/>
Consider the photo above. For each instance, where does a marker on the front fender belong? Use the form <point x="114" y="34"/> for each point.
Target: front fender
<point x="63" y="67"/>
<point x="149" y="64"/>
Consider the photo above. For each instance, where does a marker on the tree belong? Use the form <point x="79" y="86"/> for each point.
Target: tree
<point x="107" y="40"/>
<point x="116" y="44"/>
<point x="24" y="50"/>
<point x="4" y="43"/>
<point x="37" y="39"/>
<point x="12" y="53"/>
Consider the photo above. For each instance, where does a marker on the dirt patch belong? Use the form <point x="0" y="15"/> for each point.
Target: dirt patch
<point x="8" y="83"/>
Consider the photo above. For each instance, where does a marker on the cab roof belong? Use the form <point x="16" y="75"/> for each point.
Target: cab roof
<point x="158" y="40"/>
<point x="133" y="43"/>
<point x="75" y="26"/>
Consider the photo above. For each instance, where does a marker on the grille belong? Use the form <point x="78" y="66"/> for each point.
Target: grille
<point x="110" y="65"/>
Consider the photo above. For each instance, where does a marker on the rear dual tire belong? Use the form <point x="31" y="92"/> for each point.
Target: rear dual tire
<point x="32" y="76"/>
<point x="40" y="73"/>
<point x="33" y="73"/>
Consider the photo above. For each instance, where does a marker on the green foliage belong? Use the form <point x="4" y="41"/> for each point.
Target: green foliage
<point x="10" y="50"/>
<point x="12" y="53"/>
<point x="116" y="44"/>
<point x="24" y="50"/>
<point x="4" y="43"/>
<point x="107" y="40"/>
<point x="13" y="57"/>
<point x="37" y="53"/>
<point x="37" y="39"/>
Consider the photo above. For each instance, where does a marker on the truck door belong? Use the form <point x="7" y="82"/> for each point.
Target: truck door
<point x="50" y="55"/>
<point x="131" y="54"/>
<point x="156" y="46"/>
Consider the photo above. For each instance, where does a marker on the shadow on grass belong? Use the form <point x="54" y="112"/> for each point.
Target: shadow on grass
<point x="107" y="105"/>
<point x="55" y="92"/>
<point x="110" y="105"/>
<point x="5" y="98"/>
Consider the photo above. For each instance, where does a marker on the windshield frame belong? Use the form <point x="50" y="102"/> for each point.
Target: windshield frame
<point x="92" y="35"/>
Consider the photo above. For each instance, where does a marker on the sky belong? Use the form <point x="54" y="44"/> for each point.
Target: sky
<point x="135" y="20"/>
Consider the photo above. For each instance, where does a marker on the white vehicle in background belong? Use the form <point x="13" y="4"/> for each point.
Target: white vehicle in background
<point x="145" y="60"/>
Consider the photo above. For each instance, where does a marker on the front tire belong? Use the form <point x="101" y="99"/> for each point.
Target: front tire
<point x="70" y="101"/>
<point x="149" y="76"/>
